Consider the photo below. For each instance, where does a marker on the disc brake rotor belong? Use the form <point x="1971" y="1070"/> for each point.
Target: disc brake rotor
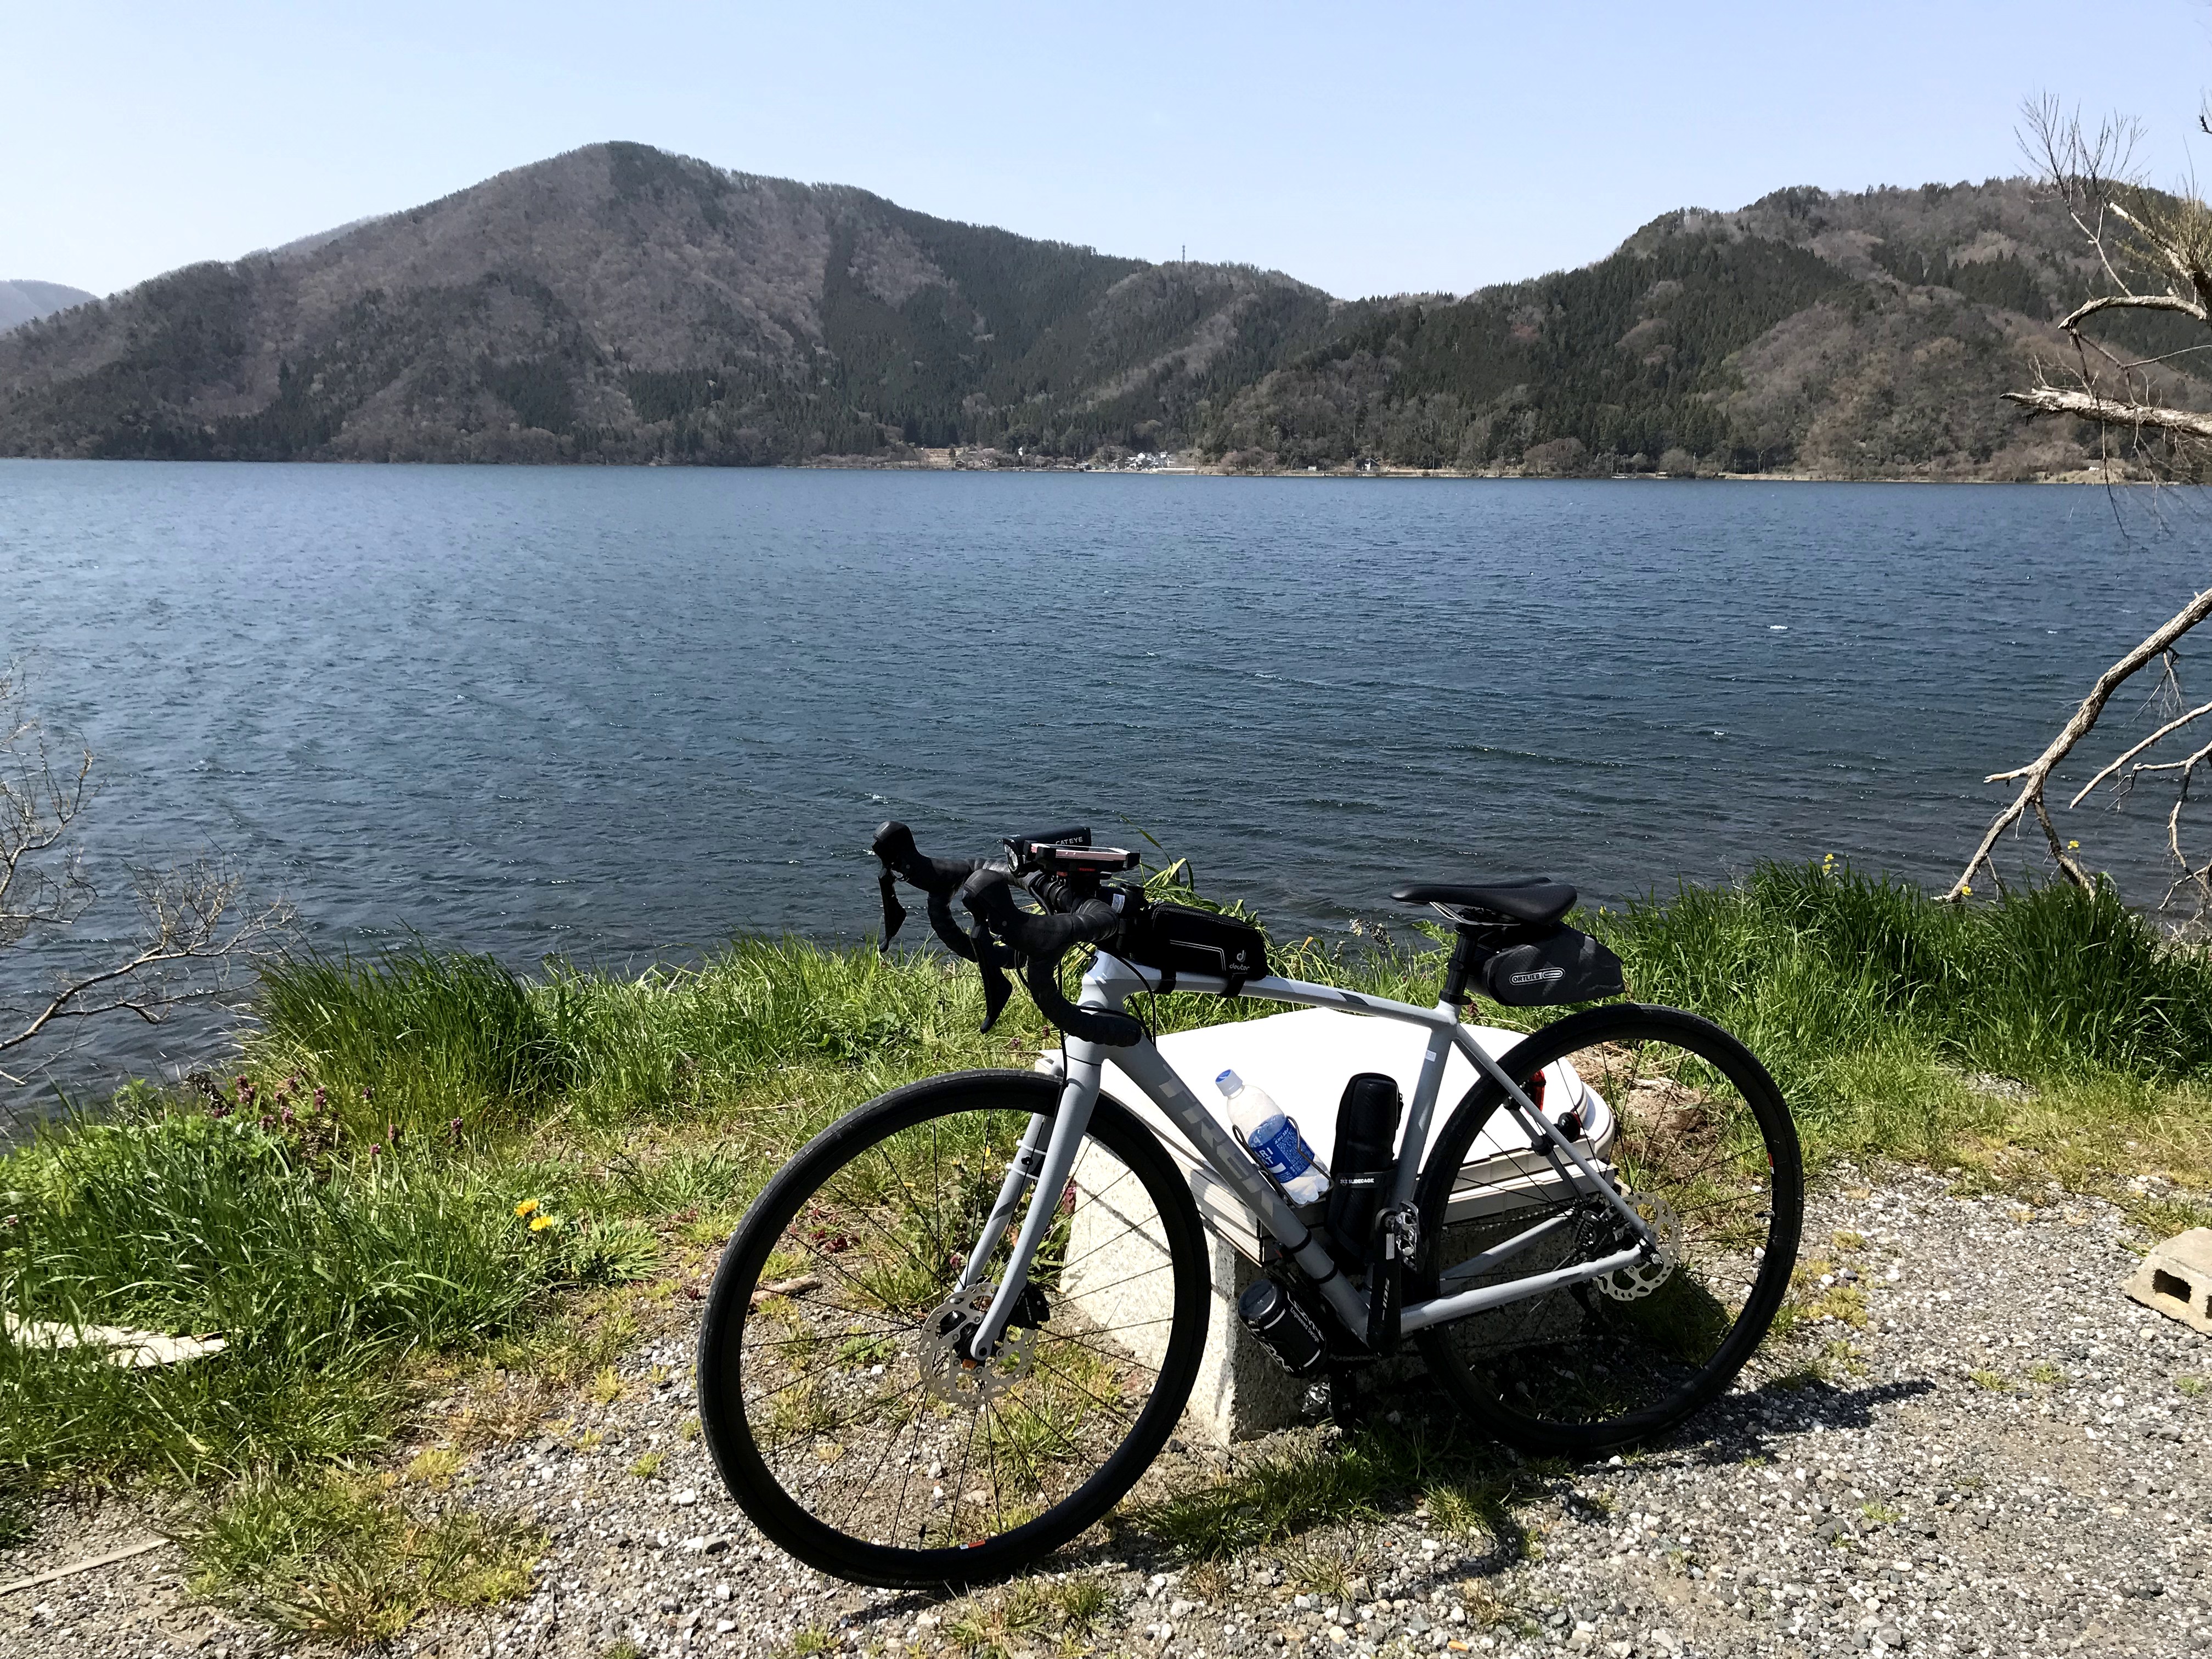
<point x="1640" y="1278"/>
<point x="949" y="1374"/>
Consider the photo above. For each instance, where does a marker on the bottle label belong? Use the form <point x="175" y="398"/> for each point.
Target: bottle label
<point x="1283" y="1154"/>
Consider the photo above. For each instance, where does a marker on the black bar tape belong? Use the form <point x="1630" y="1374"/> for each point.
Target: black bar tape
<point x="1041" y="941"/>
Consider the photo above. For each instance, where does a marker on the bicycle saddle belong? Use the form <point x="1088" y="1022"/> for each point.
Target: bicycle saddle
<point x="1534" y="899"/>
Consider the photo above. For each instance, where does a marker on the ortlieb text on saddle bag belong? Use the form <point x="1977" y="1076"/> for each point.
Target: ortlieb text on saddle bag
<point x="1178" y="939"/>
<point x="1563" y="966"/>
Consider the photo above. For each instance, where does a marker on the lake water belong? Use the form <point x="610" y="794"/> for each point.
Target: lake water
<point x="626" y="714"/>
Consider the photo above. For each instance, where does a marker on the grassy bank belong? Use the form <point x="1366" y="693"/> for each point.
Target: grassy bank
<point x="424" y="1169"/>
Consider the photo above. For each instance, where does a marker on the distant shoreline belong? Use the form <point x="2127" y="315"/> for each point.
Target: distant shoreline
<point x="995" y="461"/>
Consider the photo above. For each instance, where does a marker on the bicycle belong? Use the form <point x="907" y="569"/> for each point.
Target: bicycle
<point x="959" y="1326"/>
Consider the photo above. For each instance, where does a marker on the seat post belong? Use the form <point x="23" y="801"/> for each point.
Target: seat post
<point x="1456" y="973"/>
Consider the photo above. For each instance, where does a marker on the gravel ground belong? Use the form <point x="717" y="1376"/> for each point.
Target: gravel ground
<point x="2008" y="1457"/>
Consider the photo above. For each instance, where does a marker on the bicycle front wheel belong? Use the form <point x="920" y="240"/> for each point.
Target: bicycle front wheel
<point x="840" y="1411"/>
<point x="1697" y="1139"/>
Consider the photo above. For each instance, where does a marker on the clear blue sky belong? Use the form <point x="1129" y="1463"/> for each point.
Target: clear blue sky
<point x="1368" y="149"/>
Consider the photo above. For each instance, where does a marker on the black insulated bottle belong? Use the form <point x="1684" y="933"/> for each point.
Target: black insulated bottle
<point x="1287" y="1329"/>
<point x="1361" y="1168"/>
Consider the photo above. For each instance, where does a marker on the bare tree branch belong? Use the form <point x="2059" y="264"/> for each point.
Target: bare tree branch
<point x="2154" y="252"/>
<point x="2110" y="412"/>
<point x="2089" y="308"/>
<point x="2171" y="727"/>
<point x="191" y="916"/>
<point x="2037" y="773"/>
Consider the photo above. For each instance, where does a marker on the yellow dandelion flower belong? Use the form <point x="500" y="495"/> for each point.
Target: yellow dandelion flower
<point x="539" y="1223"/>
<point x="2072" y="845"/>
<point x="528" y="1206"/>
<point x="1965" y="889"/>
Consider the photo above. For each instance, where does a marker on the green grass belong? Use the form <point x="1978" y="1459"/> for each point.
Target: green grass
<point x="337" y="1556"/>
<point x="346" y="1216"/>
<point x="324" y="1271"/>
<point x="1019" y="1616"/>
<point x="2052" y="1032"/>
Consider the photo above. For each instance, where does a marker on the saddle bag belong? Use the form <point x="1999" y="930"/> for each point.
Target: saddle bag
<point x="1563" y="965"/>
<point x="1178" y="939"/>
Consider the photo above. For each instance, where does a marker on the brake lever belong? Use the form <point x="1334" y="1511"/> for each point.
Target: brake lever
<point x="997" y="988"/>
<point x="983" y="893"/>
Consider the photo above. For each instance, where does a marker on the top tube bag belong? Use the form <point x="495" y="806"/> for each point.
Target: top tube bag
<point x="1178" y="939"/>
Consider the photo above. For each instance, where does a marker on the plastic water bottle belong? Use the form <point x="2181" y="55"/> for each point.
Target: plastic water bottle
<point x="1273" y="1139"/>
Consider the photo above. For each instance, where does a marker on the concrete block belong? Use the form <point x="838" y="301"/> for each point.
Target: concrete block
<point x="1118" y="1274"/>
<point x="2176" y="1279"/>
<point x="1118" y="1261"/>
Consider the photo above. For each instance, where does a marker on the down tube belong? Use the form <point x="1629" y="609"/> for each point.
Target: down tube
<point x="1149" y="1069"/>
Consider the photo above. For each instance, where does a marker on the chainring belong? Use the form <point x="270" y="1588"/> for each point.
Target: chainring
<point x="949" y="1374"/>
<point x="1632" y="1283"/>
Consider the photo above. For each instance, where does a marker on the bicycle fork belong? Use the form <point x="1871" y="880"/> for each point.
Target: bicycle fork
<point x="1045" y="1160"/>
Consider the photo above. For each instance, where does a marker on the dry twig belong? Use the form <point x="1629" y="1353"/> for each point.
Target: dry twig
<point x="2155" y="253"/>
<point x="192" y="916"/>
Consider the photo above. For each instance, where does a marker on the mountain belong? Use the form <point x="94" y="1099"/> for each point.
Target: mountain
<point x="1855" y="335"/>
<point x="621" y="304"/>
<point x="25" y="301"/>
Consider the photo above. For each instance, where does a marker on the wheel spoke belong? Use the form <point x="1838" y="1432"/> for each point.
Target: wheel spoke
<point x="849" y="1398"/>
<point x="1639" y="1346"/>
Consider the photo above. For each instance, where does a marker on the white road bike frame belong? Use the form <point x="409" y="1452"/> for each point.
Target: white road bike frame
<point x="1046" y="1157"/>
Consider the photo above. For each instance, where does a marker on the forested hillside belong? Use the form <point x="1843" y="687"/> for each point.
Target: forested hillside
<point x="1860" y="336"/>
<point x="620" y="304"/>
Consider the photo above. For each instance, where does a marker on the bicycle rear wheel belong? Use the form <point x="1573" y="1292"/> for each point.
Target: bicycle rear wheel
<point x="844" y="1421"/>
<point x="1698" y="1139"/>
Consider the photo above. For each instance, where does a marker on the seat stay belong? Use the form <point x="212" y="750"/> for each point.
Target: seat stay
<point x="1544" y="1136"/>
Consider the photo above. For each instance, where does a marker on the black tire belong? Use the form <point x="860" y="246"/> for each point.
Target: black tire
<point x="1700" y="1124"/>
<point x="871" y="1222"/>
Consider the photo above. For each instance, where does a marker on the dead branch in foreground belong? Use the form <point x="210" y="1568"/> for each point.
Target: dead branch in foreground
<point x="2036" y="775"/>
<point x="2155" y="253"/>
<point x="192" y="916"/>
